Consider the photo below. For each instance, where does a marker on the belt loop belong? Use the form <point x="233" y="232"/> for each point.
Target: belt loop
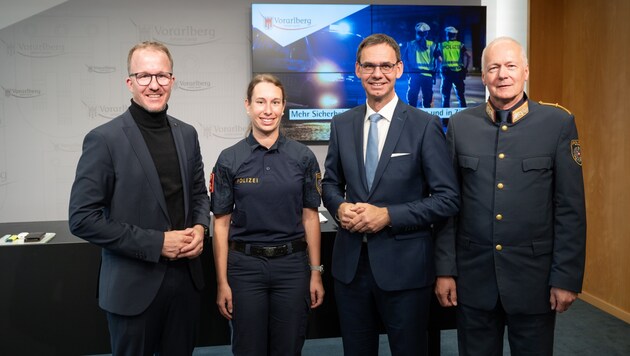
<point x="289" y="248"/>
<point x="248" y="249"/>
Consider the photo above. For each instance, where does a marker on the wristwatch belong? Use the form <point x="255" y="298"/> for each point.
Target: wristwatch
<point x="319" y="268"/>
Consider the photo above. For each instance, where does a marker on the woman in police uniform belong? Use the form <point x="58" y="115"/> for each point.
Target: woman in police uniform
<point x="265" y="197"/>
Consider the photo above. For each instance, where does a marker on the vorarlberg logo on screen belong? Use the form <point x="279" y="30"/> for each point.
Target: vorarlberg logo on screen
<point x="186" y="35"/>
<point x="287" y="23"/>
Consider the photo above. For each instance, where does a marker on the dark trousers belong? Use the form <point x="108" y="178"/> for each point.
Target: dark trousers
<point x="271" y="300"/>
<point x="450" y="78"/>
<point x="168" y="326"/>
<point x="480" y="332"/>
<point x="362" y="306"/>
<point x="418" y="81"/>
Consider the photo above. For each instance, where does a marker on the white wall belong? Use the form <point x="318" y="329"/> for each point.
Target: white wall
<point x="62" y="72"/>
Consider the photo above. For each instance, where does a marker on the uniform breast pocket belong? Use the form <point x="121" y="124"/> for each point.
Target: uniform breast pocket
<point x="537" y="163"/>
<point x="468" y="163"/>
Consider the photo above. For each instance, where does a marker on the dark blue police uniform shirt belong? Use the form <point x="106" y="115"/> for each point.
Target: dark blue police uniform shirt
<point x="265" y="190"/>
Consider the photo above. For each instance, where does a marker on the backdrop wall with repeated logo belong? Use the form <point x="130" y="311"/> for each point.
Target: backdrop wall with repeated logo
<point x="63" y="69"/>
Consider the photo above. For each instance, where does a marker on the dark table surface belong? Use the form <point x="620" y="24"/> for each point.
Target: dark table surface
<point x="48" y="302"/>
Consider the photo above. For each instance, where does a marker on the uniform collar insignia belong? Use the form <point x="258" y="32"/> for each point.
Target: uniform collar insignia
<point x="490" y="111"/>
<point x="517" y="113"/>
<point x="520" y="112"/>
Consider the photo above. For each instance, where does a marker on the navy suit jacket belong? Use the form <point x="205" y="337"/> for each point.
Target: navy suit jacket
<point x="117" y="202"/>
<point x="414" y="179"/>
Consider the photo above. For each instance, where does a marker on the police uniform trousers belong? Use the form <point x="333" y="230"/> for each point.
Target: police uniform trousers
<point x="418" y="81"/>
<point x="271" y="300"/>
<point x="450" y="78"/>
<point x="168" y="326"/>
<point x="363" y="307"/>
<point x="480" y="332"/>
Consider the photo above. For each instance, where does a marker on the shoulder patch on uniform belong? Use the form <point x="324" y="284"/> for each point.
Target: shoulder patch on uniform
<point x="211" y="183"/>
<point x="555" y="105"/>
<point x="318" y="182"/>
<point x="576" y="151"/>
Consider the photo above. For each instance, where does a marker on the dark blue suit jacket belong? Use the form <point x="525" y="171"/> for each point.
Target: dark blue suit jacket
<point x="414" y="179"/>
<point x="117" y="203"/>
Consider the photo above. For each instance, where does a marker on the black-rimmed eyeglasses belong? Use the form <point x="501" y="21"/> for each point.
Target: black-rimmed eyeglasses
<point x="145" y="79"/>
<point x="369" y="68"/>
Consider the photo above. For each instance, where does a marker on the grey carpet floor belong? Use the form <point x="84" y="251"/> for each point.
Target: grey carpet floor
<point x="583" y="330"/>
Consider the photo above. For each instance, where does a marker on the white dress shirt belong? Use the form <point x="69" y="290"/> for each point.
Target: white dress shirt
<point x="387" y="112"/>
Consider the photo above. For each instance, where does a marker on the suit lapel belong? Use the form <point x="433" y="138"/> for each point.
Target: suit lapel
<point x="146" y="161"/>
<point x="183" y="161"/>
<point x="395" y="129"/>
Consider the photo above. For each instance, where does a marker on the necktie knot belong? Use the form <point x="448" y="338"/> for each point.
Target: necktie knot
<point x="503" y="115"/>
<point x="375" y="117"/>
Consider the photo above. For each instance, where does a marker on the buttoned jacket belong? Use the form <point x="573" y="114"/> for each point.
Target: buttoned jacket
<point x="522" y="224"/>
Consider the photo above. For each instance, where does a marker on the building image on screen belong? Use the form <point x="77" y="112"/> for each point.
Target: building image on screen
<point x="311" y="48"/>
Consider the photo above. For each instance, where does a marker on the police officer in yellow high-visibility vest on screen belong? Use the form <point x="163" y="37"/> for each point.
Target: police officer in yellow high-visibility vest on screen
<point x="455" y="60"/>
<point x="419" y="57"/>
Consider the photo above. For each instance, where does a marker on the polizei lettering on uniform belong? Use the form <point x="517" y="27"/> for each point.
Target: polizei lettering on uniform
<point x="246" y="180"/>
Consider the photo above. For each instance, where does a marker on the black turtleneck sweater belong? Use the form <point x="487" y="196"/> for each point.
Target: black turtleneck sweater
<point x="156" y="131"/>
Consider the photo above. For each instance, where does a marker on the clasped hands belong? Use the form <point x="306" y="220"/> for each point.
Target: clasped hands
<point x="186" y="243"/>
<point x="362" y="217"/>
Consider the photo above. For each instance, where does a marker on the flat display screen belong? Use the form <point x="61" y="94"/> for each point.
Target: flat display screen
<point x="311" y="48"/>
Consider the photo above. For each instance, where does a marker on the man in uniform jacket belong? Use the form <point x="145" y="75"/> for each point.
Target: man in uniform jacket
<point x="515" y="253"/>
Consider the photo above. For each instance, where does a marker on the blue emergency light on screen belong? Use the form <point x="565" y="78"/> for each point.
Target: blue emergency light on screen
<point x="311" y="48"/>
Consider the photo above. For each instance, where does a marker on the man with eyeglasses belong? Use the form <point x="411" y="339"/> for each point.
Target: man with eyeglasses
<point x="140" y="194"/>
<point x="383" y="255"/>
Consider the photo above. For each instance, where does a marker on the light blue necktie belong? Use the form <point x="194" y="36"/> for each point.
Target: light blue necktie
<point x="371" y="155"/>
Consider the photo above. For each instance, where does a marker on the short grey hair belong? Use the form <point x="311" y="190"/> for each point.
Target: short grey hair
<point x="501" y="40"/>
